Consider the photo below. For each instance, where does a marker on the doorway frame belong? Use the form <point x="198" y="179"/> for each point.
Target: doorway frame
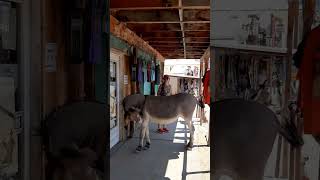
<point x="115" y="56"/>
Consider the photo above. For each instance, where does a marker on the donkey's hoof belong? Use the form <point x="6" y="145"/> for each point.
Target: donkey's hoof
<point x="147" y="146"/>
<point x="138" y="149"/>
<point x="189" y="146"/>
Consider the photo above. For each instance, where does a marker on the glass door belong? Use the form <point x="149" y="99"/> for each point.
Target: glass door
<point x="114" y="100"/>
<point x="10" y="102"/>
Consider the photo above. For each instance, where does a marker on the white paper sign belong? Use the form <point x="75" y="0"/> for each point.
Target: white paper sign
<point x="51" y="63"/>
<point x="125" y="79"/>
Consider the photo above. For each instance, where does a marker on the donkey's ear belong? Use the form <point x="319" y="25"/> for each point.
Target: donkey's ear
<point x="135" y="109"/>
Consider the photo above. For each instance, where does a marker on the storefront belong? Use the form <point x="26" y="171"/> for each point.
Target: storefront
<point x="131" y="71"/>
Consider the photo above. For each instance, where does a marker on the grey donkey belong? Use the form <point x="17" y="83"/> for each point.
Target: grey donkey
<point x="243" y="134"/>
<point x="161" y="110"/>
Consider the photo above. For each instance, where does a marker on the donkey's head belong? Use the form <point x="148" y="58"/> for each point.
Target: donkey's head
<point x="133" y="114"/>
<point x="76" y="163"/>
<point x="133" y="105"/>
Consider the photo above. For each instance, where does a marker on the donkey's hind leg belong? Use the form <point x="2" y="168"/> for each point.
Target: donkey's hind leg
<point x="191" y="129"/>
<point x="141" y="137"/>
<point x="147" y="146"/>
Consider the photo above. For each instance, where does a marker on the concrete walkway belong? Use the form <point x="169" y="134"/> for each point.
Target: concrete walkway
<point x="167" y="158"/>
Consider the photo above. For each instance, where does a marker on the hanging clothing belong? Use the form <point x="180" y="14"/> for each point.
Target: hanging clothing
<point x="96" y="43"/>
<point x="164" y="90"/>
<point x="145" y="75"/>
<point x="133" y="72"/>
<point x="149" y="72"/>
<point x="140" y="72"/>
<point x="309" y="99"/>
<point x="206" y="87"/>
<point x="153" y="75"/>
<point x="158" y="75"/>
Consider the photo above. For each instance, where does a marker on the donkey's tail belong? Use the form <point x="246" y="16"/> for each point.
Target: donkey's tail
<point x="289" y="131"/>
<point x="200" y="102"/>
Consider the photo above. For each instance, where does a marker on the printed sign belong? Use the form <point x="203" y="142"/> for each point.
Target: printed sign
<point x="125" y="79"/>
<point x="50" y="64"/>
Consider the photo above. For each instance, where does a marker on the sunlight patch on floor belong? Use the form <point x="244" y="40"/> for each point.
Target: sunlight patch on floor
<point x="175" y="167"/>
<point x="197" y="165"/>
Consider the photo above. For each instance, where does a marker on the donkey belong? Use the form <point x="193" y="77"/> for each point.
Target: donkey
<point x="161" y="110"/>
<point x="243" y="135"/>
<point x="74" y="137"/>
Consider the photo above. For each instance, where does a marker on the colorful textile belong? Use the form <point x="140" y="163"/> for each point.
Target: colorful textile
<point x="206" y="87"/>
<point x="140" y="72"/>
<point x="158" y="75"/>
<point x="309" y="76"/>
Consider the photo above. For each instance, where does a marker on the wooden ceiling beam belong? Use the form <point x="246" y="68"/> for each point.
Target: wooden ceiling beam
<point x="160" y="35"/>
<point x="170" y="38"/>
<point x="162" y="22"/>
<point x="148" y="15"/>
<point x="176" y="42"/>
<point x="195" y="15"/>
<point x="174" y="46"/>
<point x="121" y="31"/>
<point x="182" y="28"/>
<point x="142" y="3"/>
<point x="187" y="3"/>
<point x="161" y="8"/>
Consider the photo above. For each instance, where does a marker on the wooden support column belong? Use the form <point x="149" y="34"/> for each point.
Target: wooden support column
<point x="287" y="95"/>
<point x="297" y="152"/>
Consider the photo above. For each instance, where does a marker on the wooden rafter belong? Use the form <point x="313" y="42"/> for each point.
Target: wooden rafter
<point x="164" y="22"/>
<point x="172" y="27"/>
<point x="161" y="8"/>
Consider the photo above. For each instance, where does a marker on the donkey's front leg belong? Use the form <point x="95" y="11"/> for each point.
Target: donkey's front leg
<point x="141" y="137"/>
<point x="191" y="129"/>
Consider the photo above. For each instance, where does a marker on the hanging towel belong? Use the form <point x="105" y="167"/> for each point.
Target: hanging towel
<point x="149" y="72"/>
<point x="96" y="43"/>
<point x="153" y="76"/>
<point x="140" y="72"/>
<point x="133" y="72"/>
<point x="145" y="73"/>
<point x="157" y="72"/>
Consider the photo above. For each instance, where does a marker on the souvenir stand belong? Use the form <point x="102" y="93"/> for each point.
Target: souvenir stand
<point x="263" y="72"/>
<point x="259" y="74"/>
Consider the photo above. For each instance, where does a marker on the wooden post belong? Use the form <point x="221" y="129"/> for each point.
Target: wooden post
<point x="288" y="85"/>
<point x="297" y="152"/>
<point x="278" y="159"/>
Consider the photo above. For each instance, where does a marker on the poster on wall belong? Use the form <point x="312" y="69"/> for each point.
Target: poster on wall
<point x="182" y="68"/>
<point x="256" y="23"/>
<point x="51" y="54"/>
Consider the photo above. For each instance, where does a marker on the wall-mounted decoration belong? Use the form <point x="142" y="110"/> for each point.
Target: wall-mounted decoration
<point x="51" y="55"/>
<point x="181" y="68"/>
<point x="253" y="22"/>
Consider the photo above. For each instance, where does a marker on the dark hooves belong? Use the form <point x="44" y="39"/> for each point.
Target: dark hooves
<point x="138" y="149"/>
<point x="189" y="146"/>
<point x="147" y="146"/>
